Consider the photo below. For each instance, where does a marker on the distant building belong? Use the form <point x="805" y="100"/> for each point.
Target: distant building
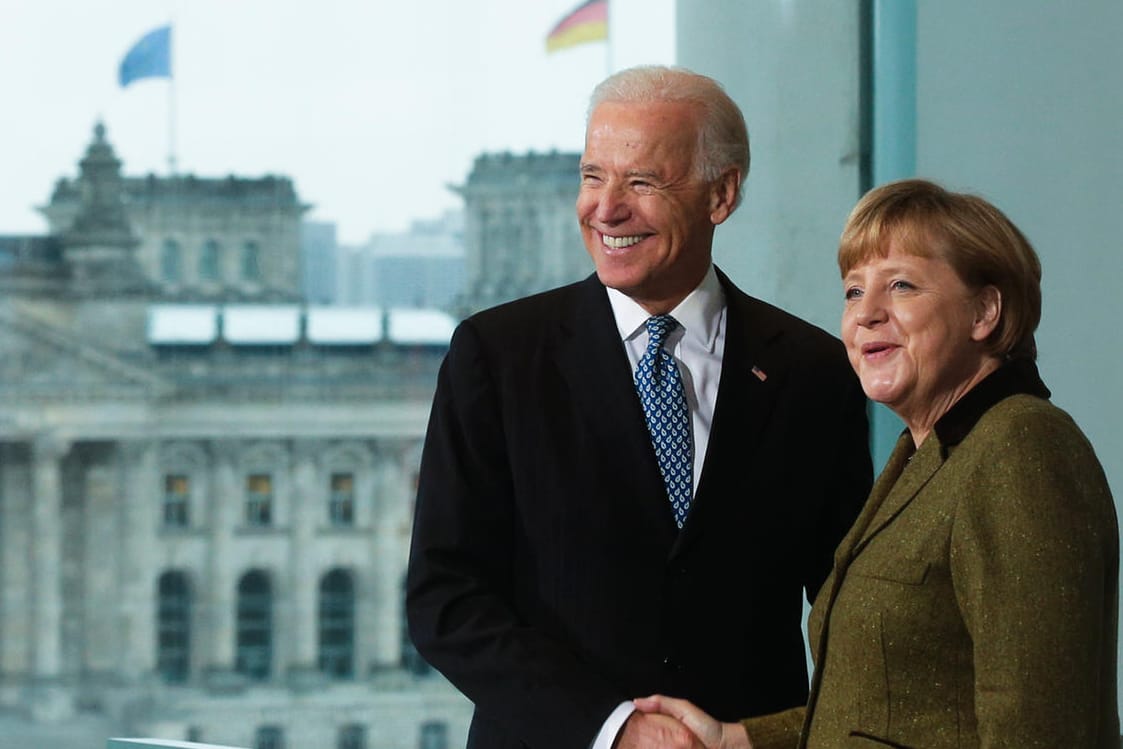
<point x="521" y="234"/>
<point x="319" y="254"/>
<point x="206" y="483"/>
<point x="421" y="267"/>
<point x="207" y="472"/>
<point x="186" y="237"/>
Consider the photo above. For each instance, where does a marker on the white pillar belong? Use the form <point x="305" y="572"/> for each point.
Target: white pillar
<point x="137" y="605"/>
<point x="392" y="503"/>
<point x="16" y="589"/>
<point x="223" y="516"/>
<point x="306" y="513"/>
<point x="47" y="701"/>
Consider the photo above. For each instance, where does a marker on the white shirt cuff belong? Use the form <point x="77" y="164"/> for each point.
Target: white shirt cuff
<point x="612" y="726"/>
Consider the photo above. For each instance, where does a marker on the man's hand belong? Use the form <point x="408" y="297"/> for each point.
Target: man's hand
<point x="654" y="731"/>
<point x="709" y="733"/>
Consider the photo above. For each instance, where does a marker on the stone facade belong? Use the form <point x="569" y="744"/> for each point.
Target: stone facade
<point x="194" y="238"/>
<point x="203" y="538"/>
<point x="520" y="232"/>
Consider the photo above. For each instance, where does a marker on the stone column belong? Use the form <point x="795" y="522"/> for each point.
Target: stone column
<point x="308" y="500"/>
<point x="137" y="612"/>
<point x="48" y="702"/>
<point x="223" y="517"/>
<point x="392" y="502"/>
<point x="15" y="559"/>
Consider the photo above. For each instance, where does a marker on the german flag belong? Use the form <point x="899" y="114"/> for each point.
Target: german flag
<point x="586" y="23"/>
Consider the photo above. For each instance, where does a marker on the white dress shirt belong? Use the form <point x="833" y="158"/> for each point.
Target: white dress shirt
<point x="697" y="346"/>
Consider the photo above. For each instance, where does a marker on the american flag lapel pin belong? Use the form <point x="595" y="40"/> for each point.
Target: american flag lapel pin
<point x="760" y="375"/>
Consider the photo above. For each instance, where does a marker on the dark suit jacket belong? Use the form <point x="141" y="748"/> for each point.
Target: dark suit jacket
<point x="547" y="579"/>
<point x="974" y="603"/>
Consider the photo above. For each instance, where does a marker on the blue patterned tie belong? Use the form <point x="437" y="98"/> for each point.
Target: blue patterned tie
<point x="664" y="405"/>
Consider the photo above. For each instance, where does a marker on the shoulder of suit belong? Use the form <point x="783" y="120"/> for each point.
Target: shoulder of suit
<point x="1022" y="449"/>
<point x="1024" y="411"/>
<point x="1028" y="422"/>
<point x="530" y="315"/>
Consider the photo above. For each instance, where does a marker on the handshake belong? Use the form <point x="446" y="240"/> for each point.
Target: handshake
<point x="668" y="723"/>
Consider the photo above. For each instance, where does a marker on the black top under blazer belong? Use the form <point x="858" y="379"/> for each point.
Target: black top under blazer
<point x="547" y="579"/>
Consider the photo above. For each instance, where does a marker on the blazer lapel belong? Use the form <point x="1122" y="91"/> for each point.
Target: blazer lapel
<point x="904" y="477"/>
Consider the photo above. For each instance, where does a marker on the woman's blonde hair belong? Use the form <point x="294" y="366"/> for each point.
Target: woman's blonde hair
<point x="974" y="237"/>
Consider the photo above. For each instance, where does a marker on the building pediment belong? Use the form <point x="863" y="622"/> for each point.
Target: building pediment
<point x="39" y="361"/>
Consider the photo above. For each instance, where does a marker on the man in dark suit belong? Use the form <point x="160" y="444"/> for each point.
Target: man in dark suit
<point x="564" y="560"/>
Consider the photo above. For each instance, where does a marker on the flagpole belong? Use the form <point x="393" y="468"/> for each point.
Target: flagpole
<point x="171" y="98"/>
<point x="171" y="127"/>
<point x="608" y="42"/>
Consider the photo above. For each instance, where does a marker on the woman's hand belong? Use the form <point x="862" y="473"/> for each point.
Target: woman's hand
<point x="710" y="732"/>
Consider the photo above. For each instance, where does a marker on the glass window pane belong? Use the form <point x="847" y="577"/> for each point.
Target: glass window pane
<point x="259" y="499"/>
<point x="255" y="626"/>
<point x="170" y="261"/>
<point x="434" y="735"/>
<point x="341" y="508"/>
<point x="177" y="500"/>
<point x="337" y="625"/>
<point x="251" y="262"/>
<point x="353" y="736"/>
<point x="269" y="737"/>
<point x="173" y="628"/>
<point x="208" y="261"/>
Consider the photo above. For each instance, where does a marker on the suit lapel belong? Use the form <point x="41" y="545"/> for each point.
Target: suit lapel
<point x="751" y="377"/>
<point x="592" y="360"/>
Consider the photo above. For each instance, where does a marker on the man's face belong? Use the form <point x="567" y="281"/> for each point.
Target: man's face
<point x="646" y="215"/>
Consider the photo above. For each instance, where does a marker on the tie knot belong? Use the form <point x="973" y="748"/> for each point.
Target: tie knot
<point x="659" y="327"/>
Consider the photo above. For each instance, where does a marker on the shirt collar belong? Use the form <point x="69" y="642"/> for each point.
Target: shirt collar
<point x="699" y="313"/>
<point x="1012" y="378"/>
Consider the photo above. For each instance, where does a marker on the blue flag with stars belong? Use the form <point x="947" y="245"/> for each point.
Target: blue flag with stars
<point x="150" y="57"/>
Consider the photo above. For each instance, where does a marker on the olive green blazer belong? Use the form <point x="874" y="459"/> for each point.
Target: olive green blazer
<point x="974" y="602"/>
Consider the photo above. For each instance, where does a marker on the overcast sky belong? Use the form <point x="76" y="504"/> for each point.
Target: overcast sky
<point x="373" y="107"/>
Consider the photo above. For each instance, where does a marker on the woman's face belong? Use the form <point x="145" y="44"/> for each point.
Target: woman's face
<point x="914" y="333"/>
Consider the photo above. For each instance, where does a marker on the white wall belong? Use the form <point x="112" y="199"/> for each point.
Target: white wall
<point x="1022" y="101"/>
<point x="793" y="68"/>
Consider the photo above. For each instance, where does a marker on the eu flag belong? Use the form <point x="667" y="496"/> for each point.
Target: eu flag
<point x="150" y="57"/>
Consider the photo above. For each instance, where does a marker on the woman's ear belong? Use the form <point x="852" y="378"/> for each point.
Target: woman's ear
<point x="988" y="311"/>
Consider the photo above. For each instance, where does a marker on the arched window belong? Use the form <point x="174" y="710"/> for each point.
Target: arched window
<point x="352" y="736"/>
<point x="251" y="261"/>
<point x="337" y="624"/>
<point x="208" y="261"/>
<point x="173" y="627"/>
<point x="434" y="735"/>
<point x="269" y="737"/>
<point x="170" y="261"/>
<point x="255" y="626"/>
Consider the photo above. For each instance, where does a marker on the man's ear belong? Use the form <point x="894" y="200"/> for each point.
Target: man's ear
<point x="723" y="195"/>
<point x="988" y="311"/>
